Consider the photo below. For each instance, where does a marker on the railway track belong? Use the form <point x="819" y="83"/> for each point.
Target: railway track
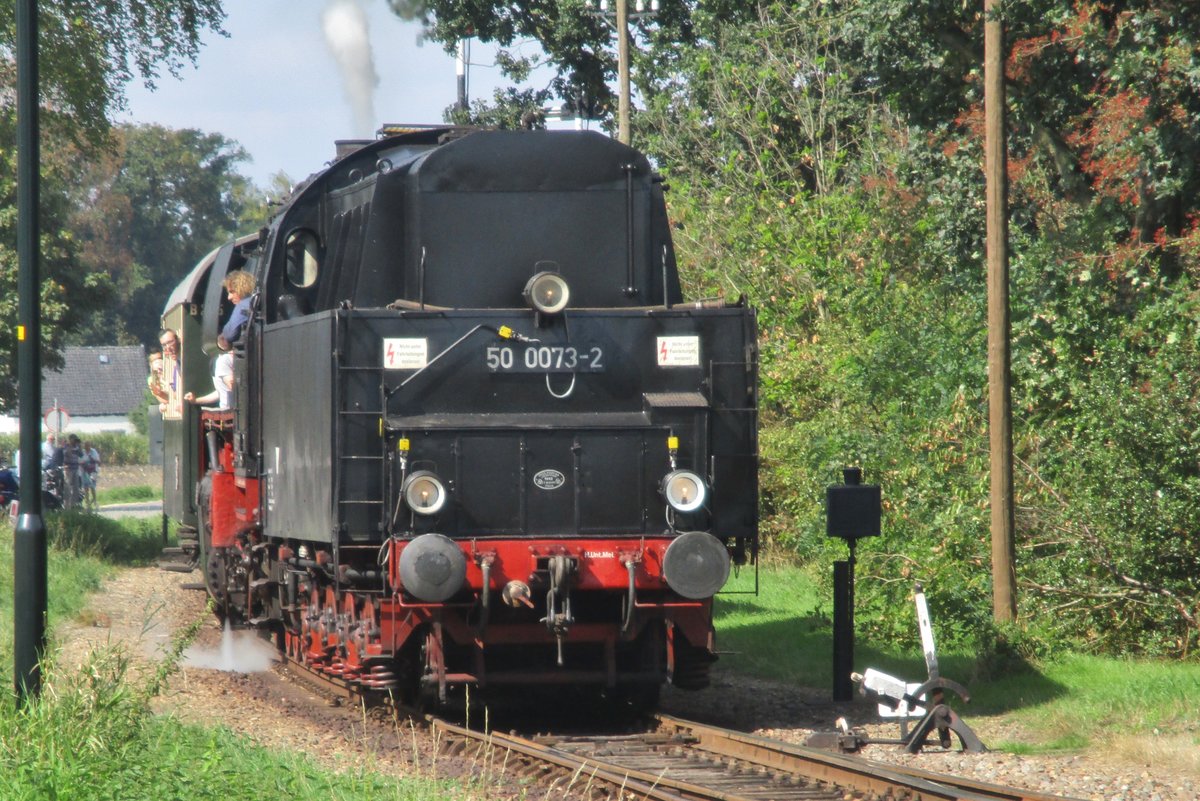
<point x="684" y="761"/>
<point x="681" y="760"/>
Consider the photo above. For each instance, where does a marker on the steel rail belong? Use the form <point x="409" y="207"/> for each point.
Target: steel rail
<point x="731" y="766"/>
<point x="726" y="765"/>
<point x="838" y="767"/>
<point x="642" y="784"/>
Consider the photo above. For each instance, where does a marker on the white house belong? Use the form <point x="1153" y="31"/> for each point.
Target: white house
<point x="96" y="389"/>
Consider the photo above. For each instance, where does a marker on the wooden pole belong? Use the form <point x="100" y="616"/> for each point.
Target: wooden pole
<point x="1004" y="580"/>
<point x="623" y="70"/>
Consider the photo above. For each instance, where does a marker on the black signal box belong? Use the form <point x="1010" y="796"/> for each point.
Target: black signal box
<point x="853" y="509"/>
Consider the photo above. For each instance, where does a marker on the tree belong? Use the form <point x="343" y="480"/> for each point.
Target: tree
<point x="146" y="213"/>
<point x="88" y="52"/>
<point x="578" y="44"/>
<point x="510" y="109"/>
<point x="1103" y="94"/>
<point x="857" y="231"/>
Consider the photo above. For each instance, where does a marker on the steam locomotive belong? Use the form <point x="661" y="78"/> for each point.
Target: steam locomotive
<point x="479" y="439"/>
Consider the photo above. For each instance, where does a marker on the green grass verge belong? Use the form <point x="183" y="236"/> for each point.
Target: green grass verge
<point x="780" y="633"/>
<point x="91" y="733"/>
<point x="92" y="736"/>
<point x="1071" y="701"/>
<point x="140" y="492"/>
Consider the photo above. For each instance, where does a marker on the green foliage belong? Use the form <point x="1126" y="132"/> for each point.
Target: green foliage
<point x="131" y="494"/>
<point x="133" y="541"/>
<point x="510" y="109"/>
<point x="860" y="239"/>
<point x="89" y="52"/>
<point x="145" y="213"/>
<point x="63" y="280"/>
<point x="569" y="37"/>
<point x="138" y="415"/>
<point x="1105" y="100"/>
<point x="114" y="448"/>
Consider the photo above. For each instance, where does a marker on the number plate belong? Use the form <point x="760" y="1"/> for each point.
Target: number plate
<point x="534" y="358"/>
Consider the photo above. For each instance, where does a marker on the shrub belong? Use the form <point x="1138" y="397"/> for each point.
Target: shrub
<point x="114" y="448"/>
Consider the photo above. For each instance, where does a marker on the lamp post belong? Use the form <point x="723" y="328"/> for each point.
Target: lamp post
<point x="29" y="537"/>
<point x="621" y="16"/>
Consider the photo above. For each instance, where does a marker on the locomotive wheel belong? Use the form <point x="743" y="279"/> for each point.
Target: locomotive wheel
<point x="215" y="579"/>
<point x="217" y="582"/>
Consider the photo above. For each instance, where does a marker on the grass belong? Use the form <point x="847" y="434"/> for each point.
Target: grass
<point x="91" y="734"/>
<point x="1069" y="703"/>
<point x="780" y="633"/>
<point x="133" y="494"/>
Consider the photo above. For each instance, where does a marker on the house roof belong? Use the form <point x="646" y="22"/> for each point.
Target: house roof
<point x="95" y="381"/>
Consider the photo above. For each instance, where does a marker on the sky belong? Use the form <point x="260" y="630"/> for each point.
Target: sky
<point x="276" y="85"/>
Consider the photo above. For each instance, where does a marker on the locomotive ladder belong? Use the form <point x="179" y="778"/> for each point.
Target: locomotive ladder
<point x="341" y="441"/>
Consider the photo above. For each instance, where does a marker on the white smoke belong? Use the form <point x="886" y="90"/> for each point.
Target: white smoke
<point x="348" y="38"/>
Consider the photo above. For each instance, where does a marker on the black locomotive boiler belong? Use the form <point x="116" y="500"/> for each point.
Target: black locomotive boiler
<point x="479" y="438"/>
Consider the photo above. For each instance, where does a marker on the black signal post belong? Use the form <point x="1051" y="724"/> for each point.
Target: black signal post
<point x="29" y="541"/>
<point x="852" y="510"/>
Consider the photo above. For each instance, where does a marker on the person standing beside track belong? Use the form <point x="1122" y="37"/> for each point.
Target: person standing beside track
<point x="51" y="452"/>
<point x="89" y="473"/>
<point x="72" y="459"/>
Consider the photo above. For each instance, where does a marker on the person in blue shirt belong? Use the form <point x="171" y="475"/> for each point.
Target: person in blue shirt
<point x="239" y="288"/>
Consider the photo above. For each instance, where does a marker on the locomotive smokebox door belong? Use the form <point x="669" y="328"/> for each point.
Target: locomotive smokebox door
<point x="853" y="509"/>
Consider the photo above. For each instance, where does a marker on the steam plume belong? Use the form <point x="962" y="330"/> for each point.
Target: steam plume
<point x="346" y="34"/>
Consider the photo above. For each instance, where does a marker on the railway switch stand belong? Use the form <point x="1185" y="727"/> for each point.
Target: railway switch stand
<point x="906" y="701"/>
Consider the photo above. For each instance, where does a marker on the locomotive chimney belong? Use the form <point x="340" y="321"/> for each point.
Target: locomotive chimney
<point x="347" y="146"/>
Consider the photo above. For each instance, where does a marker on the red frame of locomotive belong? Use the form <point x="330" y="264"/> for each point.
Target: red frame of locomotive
<point x="363" y="656"/>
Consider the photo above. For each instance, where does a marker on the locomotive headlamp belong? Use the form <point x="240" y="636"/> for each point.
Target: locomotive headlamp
<point x="424" y="493"/>
<point x="547" y="293"/>
<point x="684" y="490"/>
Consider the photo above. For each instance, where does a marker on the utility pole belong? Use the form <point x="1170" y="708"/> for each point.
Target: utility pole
<point x="620" y="23"/>
<point x="623" y="71"/>
<point x="1004" y="578"/>
<point x="460" y="66"/>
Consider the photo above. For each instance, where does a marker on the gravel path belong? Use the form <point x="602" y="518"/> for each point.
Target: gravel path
<point x="142" y="607"/>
